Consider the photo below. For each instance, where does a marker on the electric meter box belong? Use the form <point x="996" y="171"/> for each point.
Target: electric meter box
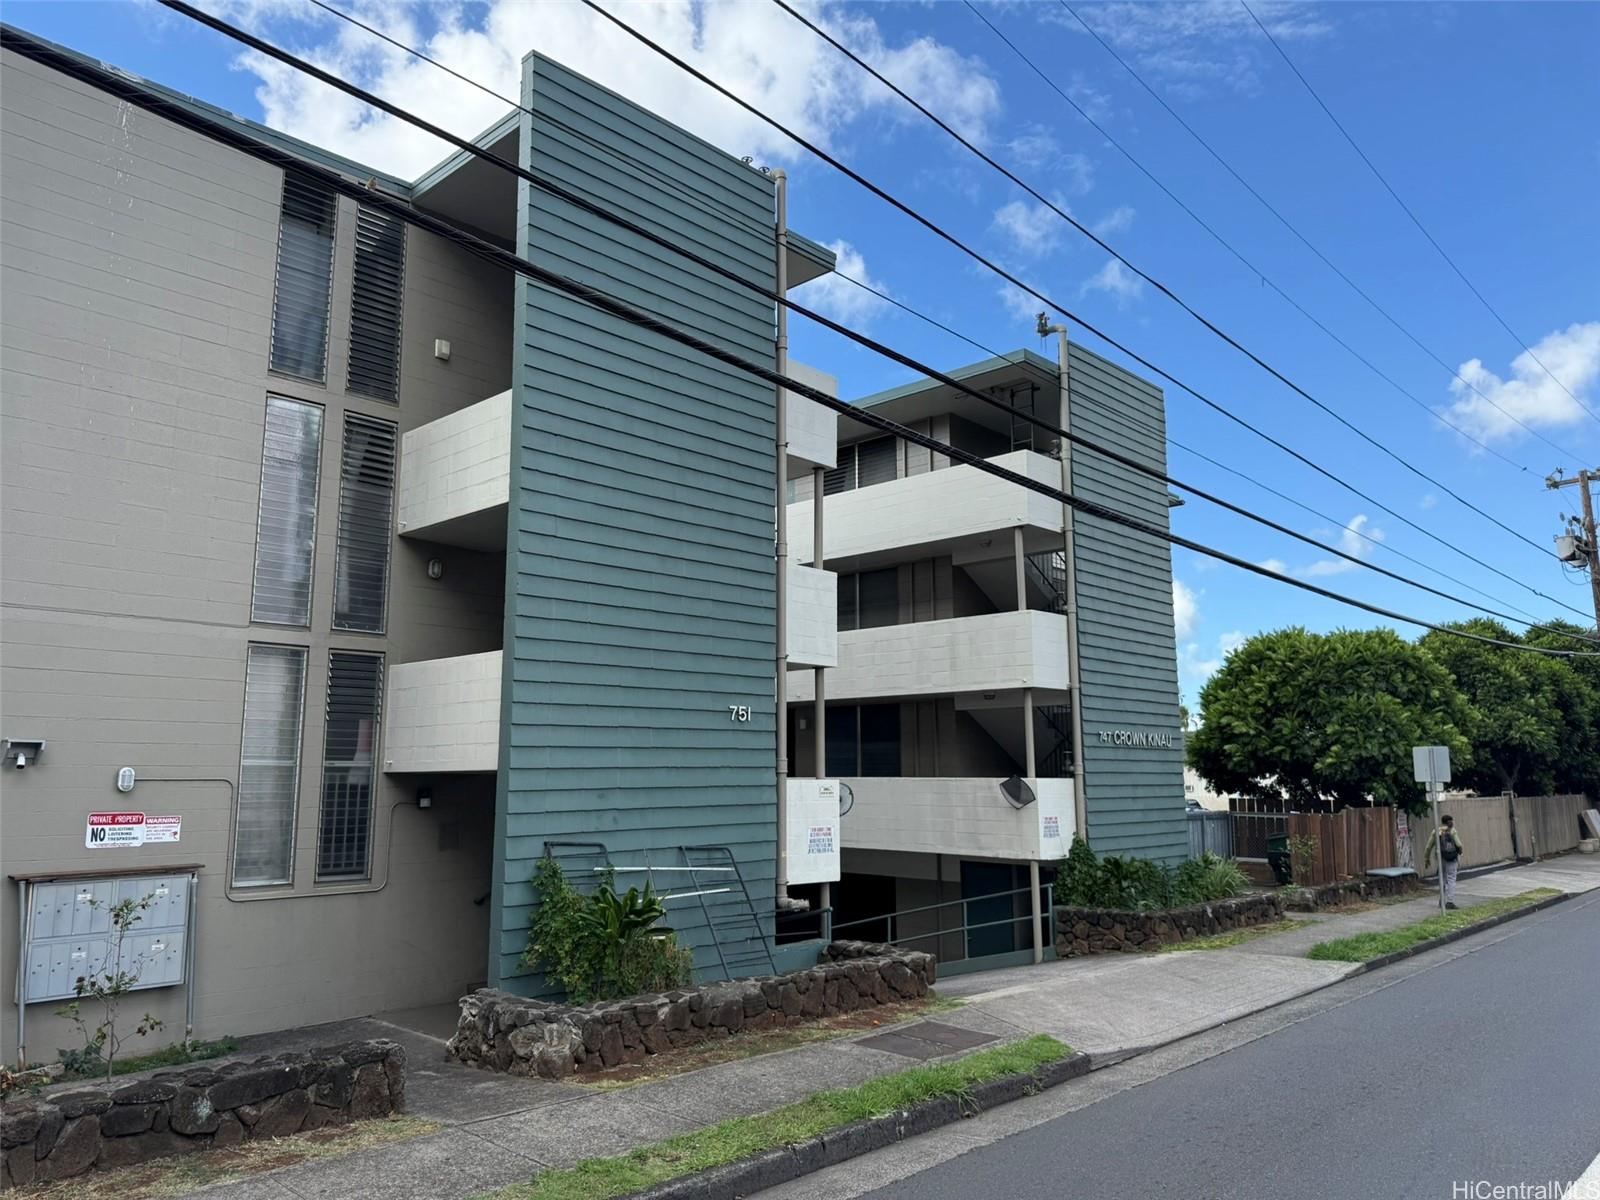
<point x="813" y="828"/>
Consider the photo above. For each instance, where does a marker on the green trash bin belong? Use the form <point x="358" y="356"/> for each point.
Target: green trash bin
<point x="1278" y="859"/>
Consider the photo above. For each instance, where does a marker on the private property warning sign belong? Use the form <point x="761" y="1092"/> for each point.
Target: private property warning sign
<point x="114" y="829"/>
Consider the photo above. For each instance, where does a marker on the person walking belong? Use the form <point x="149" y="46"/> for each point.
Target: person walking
<point x="1448" y="842"/>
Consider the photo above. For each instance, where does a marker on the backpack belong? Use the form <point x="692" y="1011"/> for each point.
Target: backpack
<point x="1449" y="848"/>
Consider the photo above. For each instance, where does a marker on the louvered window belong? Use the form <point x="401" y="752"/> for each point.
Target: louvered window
<point x="269" y="769"/>
<point x="366" y="505"/>
<point x="862" y="465"/>
<point x="305" y="278"/>
<point x="375" y="298"/>
<point x="344" y="834"/>
<point x="286" y="525"/>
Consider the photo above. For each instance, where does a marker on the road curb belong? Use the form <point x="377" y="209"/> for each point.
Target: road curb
<point x="1455" y="935"/>
<point x="786" y="1163"/>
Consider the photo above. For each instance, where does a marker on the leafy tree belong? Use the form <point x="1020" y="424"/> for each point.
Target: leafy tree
<point x="1537" y="723"/>
<point x="1326" y="719"/>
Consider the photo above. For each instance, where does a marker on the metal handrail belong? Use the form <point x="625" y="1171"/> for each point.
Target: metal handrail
<point x="964" y="927"/>
<point x="906" y="912"/>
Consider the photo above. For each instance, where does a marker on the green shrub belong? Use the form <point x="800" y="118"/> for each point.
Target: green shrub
<point x="604" y="946"/>
<point x="1086" y="881"/>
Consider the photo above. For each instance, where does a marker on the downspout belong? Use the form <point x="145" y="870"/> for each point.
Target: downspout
<point x="781" y="410"/>
<point x="819" y="560"/>
<point x="1080" y="804"/>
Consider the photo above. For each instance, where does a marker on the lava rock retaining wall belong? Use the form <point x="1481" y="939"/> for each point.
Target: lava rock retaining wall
<point x="1347" y="891"/>
<point x="502" y="1032"/>
<point x="1112" y="931"/>
<point x="68" y="1132"/>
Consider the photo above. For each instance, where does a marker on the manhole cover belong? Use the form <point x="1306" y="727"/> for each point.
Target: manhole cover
<point x="927" y="1039"/>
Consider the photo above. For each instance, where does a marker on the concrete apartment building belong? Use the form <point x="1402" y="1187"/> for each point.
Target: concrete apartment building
<point x="363" y="573"/>
<point x="955" y="644"/>
<point x="377" y="568"/>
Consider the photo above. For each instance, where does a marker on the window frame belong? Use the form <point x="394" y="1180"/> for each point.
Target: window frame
<point x="298" y="764"/>
<point x="371" y="227"/>
<point x="316" y="506"/>
<point x="357" y="418"/>
<point x="319" y="379"/>
<point x="364" y="875"/>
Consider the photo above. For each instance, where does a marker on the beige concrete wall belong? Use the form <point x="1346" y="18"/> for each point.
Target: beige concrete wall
<point x="968" y="817"/>
<point x="137" y="281"/>
<point x="455" y="467"/>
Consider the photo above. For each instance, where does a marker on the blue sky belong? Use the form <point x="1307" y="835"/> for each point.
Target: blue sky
<point x="1482" y="116"/>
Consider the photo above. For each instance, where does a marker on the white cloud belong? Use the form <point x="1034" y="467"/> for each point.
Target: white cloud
<point x="1198" y="663"/>
<point x="1530" y="395"/>
<point x="1034" y="147"/>
<point x="1118" y="220"/>
<point x="1031" y="228"/>
<point x="1355" y="539"/>
<point x="836" y="297"/>
<point x="1114" y="279"/>
<point x="1185" y="609"/>
<point x="1195" y="47"/>
<point x="1428" y="501"/>
<point x="1024" y="306"/>
<point x="1276" y="565"/>
<point x="756" y="50"/>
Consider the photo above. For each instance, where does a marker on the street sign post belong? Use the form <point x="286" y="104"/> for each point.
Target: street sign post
<point x="1430" y="765"/>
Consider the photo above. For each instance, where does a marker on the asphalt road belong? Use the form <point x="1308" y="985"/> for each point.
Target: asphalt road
<point x="1486" y="1067"/>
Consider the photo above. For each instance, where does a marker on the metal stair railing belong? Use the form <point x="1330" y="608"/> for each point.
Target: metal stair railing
<point x="740" y="944"/>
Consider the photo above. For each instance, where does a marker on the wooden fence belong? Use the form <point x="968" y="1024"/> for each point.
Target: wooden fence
<point x="1484" y="823"/>
<point x="1348" y="843"/>
<point x="1547" y="824"/>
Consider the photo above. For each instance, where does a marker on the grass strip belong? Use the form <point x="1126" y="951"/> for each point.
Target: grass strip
<point x="742" y="1137"/>
<point x="1363" y="947"/>
<point x="1221" y="941"/>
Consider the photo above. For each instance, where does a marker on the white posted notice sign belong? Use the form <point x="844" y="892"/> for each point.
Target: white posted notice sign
<point x="162" y="829"/>
<point x="114" y="829"/>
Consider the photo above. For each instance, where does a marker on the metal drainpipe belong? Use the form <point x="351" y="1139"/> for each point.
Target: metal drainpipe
<point x="1080" y="806"/>
<point x="781" y="407"/>
<point x="819" y="560"/>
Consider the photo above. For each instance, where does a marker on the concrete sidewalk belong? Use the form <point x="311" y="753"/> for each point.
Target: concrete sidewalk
<point x="499" y="1129"/>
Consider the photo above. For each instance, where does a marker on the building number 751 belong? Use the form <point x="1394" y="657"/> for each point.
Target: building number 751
<point x="738" y="712"/>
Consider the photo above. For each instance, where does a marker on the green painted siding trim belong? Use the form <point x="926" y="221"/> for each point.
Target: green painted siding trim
<point x="1128" y="667"/>
<point x="641" y="593"/>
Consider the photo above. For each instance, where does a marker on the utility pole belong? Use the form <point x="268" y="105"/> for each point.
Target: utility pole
<point x="1581" y="544"/>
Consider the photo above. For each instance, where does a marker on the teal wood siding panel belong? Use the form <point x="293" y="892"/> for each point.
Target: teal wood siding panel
<point x="641" y="584"/>
<point x="1127" y="653"/>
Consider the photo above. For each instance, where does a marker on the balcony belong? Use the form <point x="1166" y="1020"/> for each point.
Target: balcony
<point x="813" y="629"/>
<point x="955" y="510"/>
<point x="443" y="715"/>
<point x="813" y="429"/>
<point x="455" y="477"/>
<point x="997" y="652"/>
<point x="968" y="817"/>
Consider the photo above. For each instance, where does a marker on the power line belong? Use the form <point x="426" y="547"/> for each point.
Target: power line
<point x="265" y="47"/>
<point x="1262" y="275"/>
<point x="1148" y="278"/>
<point x="125" y="88"/>
<point x="1000" y="271"/>
<point x="1406" y="208"/>
<point x="1526" y="617"/>
<point x="1267" y="204"/>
